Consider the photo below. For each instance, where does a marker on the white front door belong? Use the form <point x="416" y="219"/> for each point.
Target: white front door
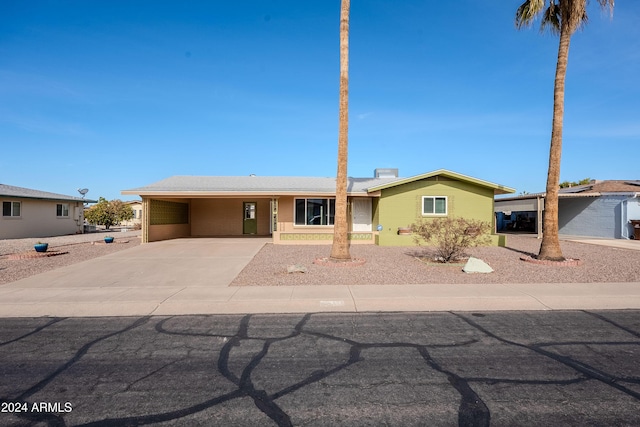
<point x="361" y="214"/>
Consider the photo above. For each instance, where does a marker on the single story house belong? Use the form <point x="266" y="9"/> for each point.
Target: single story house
<point x="299" y="210"/>
<point x="35" y="213"/>
<point x="136" y="207"/>
<point x="602" y="209"/>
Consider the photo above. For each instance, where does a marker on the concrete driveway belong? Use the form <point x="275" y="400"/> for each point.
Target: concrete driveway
<point x="134" y="280"/>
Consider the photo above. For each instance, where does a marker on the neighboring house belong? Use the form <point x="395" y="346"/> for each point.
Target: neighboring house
<point x="136" y="221"/>
<point x="598" y="209"/>
<point x="34" y="213"/>
<point x="301" y="209"/>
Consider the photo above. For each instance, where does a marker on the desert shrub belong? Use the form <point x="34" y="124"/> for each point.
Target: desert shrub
<point x="451" y="236"/>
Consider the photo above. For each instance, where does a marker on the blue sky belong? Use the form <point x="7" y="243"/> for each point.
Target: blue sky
<point x="113" y="95"/>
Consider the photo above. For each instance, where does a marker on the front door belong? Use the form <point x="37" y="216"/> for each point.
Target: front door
<point x="361" y="214"/>
<point x="250" y="223"/>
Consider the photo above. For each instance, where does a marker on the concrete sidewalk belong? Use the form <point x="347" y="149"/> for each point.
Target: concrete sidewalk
<point x="191" y="276"/>
<point x="612" y="243"/>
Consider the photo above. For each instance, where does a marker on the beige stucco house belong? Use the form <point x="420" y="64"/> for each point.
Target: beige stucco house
<point x="136" y="221"/>
<point x="299" y="210"/>
<point x="34" y="213"/>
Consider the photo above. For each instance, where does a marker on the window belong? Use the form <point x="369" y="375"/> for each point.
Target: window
<point x="434" y="205"/>
<point x="10" y="208"/>
<point x="62" y="210"/>
<point x="315" y="211"/>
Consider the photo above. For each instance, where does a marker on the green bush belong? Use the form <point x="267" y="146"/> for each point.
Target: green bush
<point x="108" y="213"/>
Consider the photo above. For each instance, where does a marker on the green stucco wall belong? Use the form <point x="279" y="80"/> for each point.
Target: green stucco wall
<point x="402" y="205"/>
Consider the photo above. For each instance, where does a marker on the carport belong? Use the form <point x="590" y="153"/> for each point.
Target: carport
<point x="171" y="218"/>
<point x="518" y="214"/>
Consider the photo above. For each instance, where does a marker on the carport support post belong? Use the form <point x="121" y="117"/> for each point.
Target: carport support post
<point x="274" y="215"/>
<point x="145" y="219"/>
<point x="540" y="207"/>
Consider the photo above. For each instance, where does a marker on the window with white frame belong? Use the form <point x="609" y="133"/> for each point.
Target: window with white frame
<point x="11" y="209"/>
<point x="434" y="205"/>
<point x="314" y="211"/>
<point x="62" y="210"/>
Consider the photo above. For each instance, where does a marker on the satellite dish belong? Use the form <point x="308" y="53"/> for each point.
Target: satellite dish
<point x="83" y="191"/>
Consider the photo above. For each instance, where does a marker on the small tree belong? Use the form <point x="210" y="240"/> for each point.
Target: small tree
<point x="451" y="236"/>
<point x="567" y="184"/>
<point x="108" y="213"/>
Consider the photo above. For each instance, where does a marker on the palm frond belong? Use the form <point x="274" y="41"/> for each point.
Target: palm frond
<point x="573" y="13"/>
<point x="528" y="11"/>
<point x="605" y="3"/>
<point x="551" y="19"/>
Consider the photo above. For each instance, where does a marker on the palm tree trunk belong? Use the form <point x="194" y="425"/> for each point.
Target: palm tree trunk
<point x="340" y="248"/>
<point x="550" y="246"/>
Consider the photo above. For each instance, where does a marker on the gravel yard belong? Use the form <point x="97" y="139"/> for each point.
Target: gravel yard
<point x="399" y="265"/>
<point x="75" y="248"/>
<point x="384" y="265"/>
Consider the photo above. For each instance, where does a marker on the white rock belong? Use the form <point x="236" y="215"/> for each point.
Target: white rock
<point x="475" y="265"/>
<point x="296" y="269"/>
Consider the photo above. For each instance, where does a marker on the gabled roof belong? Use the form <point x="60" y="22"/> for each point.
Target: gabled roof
<point x="253" y="185"/>
<point x="608" y="186"/>
<point x="497" y="188"/>
<point x="27" y="193"/>
<point x="204" y="186"/>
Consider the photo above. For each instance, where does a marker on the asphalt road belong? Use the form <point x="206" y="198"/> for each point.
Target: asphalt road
<point x="401" y="369"/>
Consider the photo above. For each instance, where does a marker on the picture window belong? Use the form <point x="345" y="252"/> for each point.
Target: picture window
<point x="315" y="211"/>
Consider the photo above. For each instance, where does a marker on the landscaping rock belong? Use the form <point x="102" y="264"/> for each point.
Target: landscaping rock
<point x="296" y="269"/>
<point x="475" y="265"/>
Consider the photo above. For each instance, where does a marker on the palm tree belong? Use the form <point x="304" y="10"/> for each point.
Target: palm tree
<point x="340" y="248"/>
<point x="562" y="17"/>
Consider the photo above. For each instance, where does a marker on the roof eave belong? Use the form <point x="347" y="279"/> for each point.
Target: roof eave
<point x="53" y="199"/>
<point x="497" y="189"/>
<point x="235" y="194"/>
<point x="560" y="195"/>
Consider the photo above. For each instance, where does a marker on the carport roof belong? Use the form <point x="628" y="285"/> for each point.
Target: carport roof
<point x="594" y="189"/>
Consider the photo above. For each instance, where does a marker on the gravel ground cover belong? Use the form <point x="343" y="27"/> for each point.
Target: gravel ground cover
<point x="74" y="248"/>
<point x="401" y="265"/>
<point x="383" y="266"/>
